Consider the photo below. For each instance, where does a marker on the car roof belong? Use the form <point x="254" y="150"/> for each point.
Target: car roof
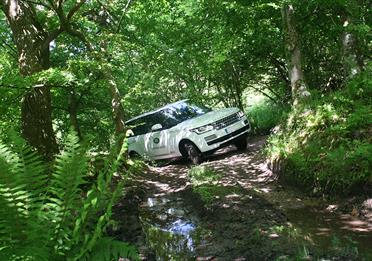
<point x="154" y="111"/>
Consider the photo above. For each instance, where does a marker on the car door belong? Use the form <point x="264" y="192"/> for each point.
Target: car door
<point x="158" y="144"/>
<point x="136" y="140"/>
<point x="157" y="141"/>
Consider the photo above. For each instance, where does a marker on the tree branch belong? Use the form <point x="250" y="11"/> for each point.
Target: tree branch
<point x="5" y="44"/>
<point x="75" y="9"/>
<point x="80" y="36"/>
<point x="122" y="17"/>
<point x="263" y="93"/>
<point x="38" y="3"/>
<point x="281" y="67"/>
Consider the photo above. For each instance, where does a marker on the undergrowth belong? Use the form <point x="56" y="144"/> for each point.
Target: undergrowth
<point x="202" y="174"/>
<point x="264" y="115"/>
<point x="326" y="145"/>
<point x="54" y="213"/>
<point x="205" y="183"/>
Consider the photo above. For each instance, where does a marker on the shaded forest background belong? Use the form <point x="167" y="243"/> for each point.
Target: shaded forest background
<point x="300" y="70"/>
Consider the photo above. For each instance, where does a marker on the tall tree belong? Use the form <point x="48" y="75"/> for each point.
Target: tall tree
<point x="32" y="39"/>
<point x="350" y="56"/>
<point x="33" y="56"/>
<point x="292" y="45"/>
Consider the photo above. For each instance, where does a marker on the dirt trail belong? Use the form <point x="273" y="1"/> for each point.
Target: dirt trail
<point x="256" y="219"/>
<point x="233" y="224"/>
<point x="246" y="169"/>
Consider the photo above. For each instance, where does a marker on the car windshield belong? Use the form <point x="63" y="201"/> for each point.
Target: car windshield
<point x="184" y="111"/>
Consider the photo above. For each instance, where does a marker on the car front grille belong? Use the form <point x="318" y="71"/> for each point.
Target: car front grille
<point x="228" y="136"/>
<point x="227" y="121"/>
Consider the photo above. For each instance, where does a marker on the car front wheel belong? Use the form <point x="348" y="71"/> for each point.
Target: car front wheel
<point x="241" y="143"/>
<point x="193" y="153"/>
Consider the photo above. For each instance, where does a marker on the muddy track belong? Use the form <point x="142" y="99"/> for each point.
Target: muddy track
<point x="245" y="224"/>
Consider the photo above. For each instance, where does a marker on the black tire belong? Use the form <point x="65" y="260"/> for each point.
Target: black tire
<point x="134" y="155"/>
<point x="241" y="143"/>
<point x="193" y="153"/>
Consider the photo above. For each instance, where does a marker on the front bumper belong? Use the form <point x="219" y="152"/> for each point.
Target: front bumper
<point x="219" y="138"/>
<point x="230" y="136"/>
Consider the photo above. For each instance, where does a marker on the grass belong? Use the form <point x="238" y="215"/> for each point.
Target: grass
<point x="264" y="114"/>
<point x="202" y="174"/>
<point x="205" y="184"/>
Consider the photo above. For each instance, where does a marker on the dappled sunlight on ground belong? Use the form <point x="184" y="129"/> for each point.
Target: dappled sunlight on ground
<point x="248" y="171"/>
<point x="250" y="196"/>
<point x="352" y="223"/>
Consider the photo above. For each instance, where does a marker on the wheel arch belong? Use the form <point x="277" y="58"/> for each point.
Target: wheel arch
<point x="133" y="153"/>
<point x="181" y="147"/>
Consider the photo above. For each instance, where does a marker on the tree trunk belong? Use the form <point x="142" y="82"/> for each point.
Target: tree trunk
<point x="352" y="65"/>
<point x="117" y="109"/>
<point x="236" y="83"/>
<point x="33" y="56"/>
<point x="292" y="44"/>
<point x="73" y="106"/>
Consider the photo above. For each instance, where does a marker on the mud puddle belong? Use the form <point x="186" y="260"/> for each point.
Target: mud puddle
<point x="328" y="231"/>
<point x="172" y="226"/>
<point x="257" y="219"/>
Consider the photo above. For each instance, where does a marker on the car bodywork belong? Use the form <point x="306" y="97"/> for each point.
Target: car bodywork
<point x="160" y="134"/>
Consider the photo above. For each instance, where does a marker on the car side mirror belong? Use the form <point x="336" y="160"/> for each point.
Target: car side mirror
<point x="156" y="127"/>
<point x="129" y="133"/>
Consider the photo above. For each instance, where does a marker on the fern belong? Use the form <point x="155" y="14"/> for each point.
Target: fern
<point x="22" y="185"/>
<point x="67" y="178"/>
<point x="107" y="249"/>
<point x="46" y="215"/>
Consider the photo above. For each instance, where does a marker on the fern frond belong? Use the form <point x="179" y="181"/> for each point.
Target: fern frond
<point x="108" y="249"/>
<point x="65" y="188"/>
<point x="22" y="189"/>
<point x="49" y="217"/>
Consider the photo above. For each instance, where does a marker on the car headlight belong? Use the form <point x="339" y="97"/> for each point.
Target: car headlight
<point x="203" y="129"/>
<point x="241" y="114"/>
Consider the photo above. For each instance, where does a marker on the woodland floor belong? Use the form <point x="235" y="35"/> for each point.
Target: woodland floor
<point x="255" y="218"/>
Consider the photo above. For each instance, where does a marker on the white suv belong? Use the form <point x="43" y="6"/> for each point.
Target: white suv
<point x="183" y="129"/>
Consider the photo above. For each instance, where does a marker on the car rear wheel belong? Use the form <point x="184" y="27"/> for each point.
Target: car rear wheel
<point x="193" y="153"/>
<point x="241" y="143"/>
<point x="134" y="155"/>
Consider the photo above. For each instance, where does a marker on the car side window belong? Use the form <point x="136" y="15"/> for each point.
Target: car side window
<point x="168" y="121"/>
<point x="143" y="125"/>
<point x="138" y="126"/>
<point x="162" y="118"/>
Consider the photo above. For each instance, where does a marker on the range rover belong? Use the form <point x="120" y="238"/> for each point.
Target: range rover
<point x="183" y="129"/>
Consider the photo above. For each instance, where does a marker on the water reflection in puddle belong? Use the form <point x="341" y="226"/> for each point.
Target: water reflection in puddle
<point x="185" y="229"/>
<point x="326" y="229"/>
<point x="170" y="225"/>
<point x="174" y="231"/>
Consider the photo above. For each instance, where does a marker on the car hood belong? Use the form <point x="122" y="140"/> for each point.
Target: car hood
<point x="208" y="118"/>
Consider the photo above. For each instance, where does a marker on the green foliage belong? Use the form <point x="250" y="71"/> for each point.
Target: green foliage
<point x="210" y="193"/>
<point x="53" y="213"/>
<point x="327" y="143"/>
<point x="205" y="183"/>
<point x="163" y="51"/>
<point x="348" y="252"/>
<point x="202" y="174"/>
<point x="264" y="114"/>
